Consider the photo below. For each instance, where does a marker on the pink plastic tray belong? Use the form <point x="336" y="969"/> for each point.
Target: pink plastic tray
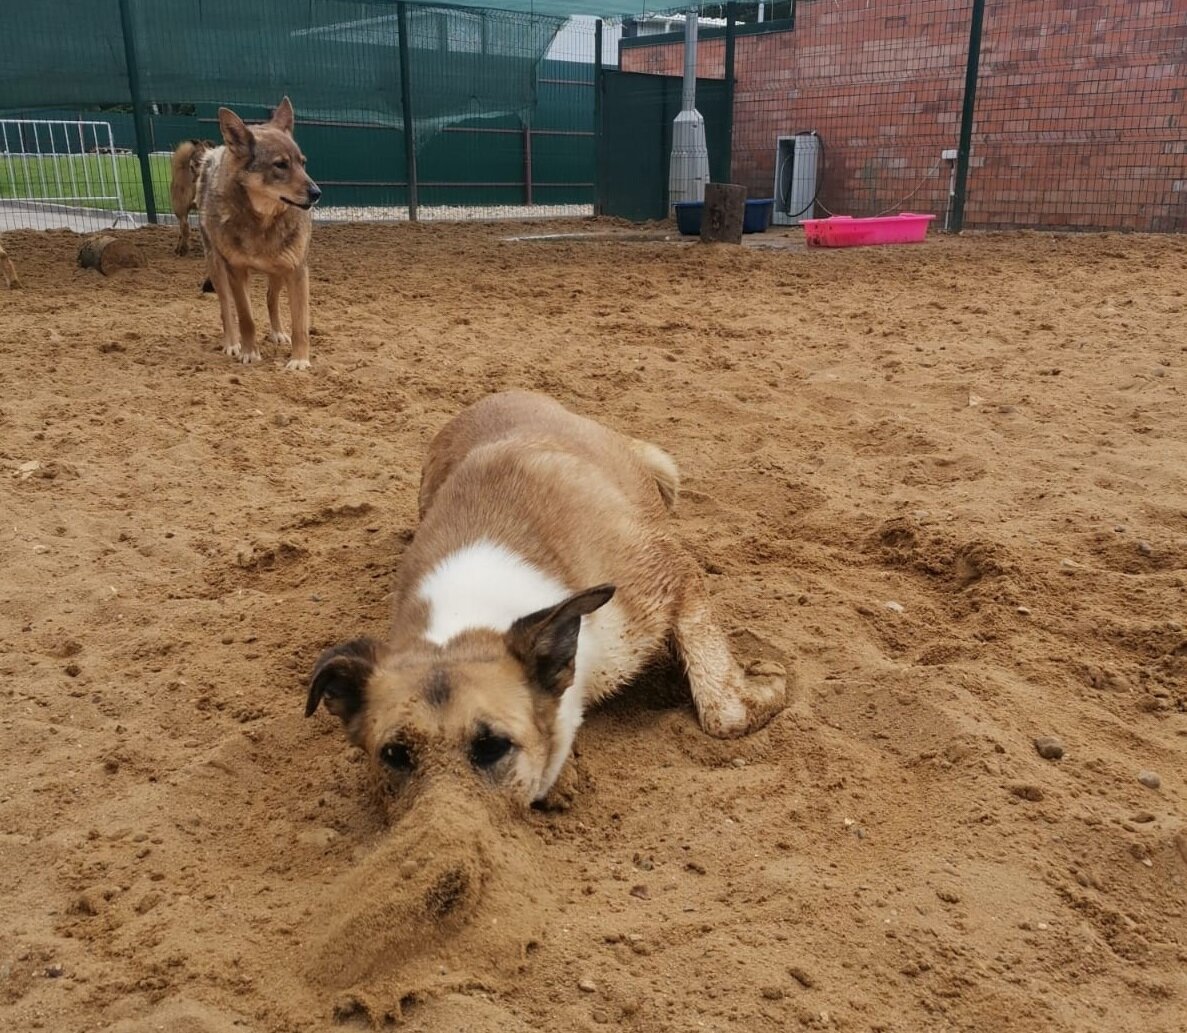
<point x="845" y="231"/>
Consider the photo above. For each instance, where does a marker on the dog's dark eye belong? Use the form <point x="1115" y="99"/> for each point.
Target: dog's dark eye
<point x="280" y="164"/>
<point x="487" y="750"/>
<point x="397" y="756"/>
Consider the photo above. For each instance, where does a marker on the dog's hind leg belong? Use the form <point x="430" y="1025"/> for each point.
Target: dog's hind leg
<point x="276" y="335"/>
<point x="219" y="274"/>
<point x="298" y="288"/>
<point x="8" y="270"/>
<point x="662" y="468"/>
<point x="729" y="702"/>
<point x="237" y="278"/>
<point x="183" y="232"/>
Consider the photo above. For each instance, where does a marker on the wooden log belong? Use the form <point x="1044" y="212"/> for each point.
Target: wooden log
<point x="107" y="254"/>
<point x="725" y="211"/>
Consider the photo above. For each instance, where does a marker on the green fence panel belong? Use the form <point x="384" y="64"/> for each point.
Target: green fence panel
<point x="637" y="115"/>
<point x="489" y="105"/>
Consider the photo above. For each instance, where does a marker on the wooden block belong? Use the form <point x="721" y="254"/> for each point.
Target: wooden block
<point x="725" y="211"/>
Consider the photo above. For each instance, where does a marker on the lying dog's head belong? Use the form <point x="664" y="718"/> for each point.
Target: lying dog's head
<point x="271" y="165"/>
<point x="483" y="706"/>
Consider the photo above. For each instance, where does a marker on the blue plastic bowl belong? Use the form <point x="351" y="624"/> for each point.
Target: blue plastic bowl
<point x="757" y="218"/>
<point x="758" y="215"/>
<point x="688" y="217"/>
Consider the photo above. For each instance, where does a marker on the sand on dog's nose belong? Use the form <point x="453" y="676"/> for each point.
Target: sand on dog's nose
<point x="453" y="892"/>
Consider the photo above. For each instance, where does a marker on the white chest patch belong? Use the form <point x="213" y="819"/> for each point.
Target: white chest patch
<point x="484" y="585"/>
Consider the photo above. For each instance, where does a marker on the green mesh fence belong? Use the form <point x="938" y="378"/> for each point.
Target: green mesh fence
<point x="498" y="110"/>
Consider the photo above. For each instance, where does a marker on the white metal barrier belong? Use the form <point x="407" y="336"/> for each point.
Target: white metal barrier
<point x="58" y="174"/>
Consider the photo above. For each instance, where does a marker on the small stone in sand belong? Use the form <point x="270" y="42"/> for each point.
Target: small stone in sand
<point x="587" y="985"/>
<point x="802" y="977"/>
<point x="1049" y="747"/>
<point x="1149" y="779"/>
<point x="1145" y="548"/>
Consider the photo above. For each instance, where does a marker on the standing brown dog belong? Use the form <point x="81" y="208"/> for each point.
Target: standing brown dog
<point x="183" y="187"/>
<point x="8" y="270"/>
<point x="254" y="197"/>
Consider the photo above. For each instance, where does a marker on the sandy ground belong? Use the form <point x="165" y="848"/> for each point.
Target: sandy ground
<point x="946" y="485"/>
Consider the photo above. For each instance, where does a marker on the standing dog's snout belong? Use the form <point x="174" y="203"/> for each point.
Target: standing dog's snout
<point x="313" y="192"/>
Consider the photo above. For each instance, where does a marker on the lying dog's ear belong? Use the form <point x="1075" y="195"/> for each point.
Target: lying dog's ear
<point x="545" y="642"/>
<point x="340" y="678"/>
<point x="283" y="117"/>
<point x="236" y="135"/>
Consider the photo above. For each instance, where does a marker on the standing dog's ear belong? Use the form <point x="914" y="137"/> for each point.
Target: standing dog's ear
<point x="340" y="678"/>
<point x="236" y="135"/>
<point x="545" y="642"/>
<point x="283" y="116"/>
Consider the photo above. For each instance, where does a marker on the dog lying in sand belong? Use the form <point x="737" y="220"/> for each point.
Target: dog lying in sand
<point x="8" y="270"/>
<point x="541" y="579"/>
<point x="254" y="197"/>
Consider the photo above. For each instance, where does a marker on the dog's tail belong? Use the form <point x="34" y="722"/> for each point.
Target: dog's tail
<point x="662" y="468"/>
<point x="207" y="286"/>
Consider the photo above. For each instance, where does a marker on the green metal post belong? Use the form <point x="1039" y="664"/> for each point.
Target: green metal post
<point x="599" y="142"/>
<point x="731" y="25"/>
<point x="143" y="146"/>
<point x="406" y="104"/>
<point x="527" y="160"/>
<point x="960" y="186"/>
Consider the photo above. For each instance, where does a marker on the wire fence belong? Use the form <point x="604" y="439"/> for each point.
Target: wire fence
<point x="986" y="113"/>
<point x="403" y="109"/>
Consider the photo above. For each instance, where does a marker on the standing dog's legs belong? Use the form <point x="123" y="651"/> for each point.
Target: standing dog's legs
<point x="216" y="267"/>
<point x="728" y="701"/>
<point x="183" y="231"/>
<point x="276" y="335"/>
<point x="298" y="288"/>
<point x="237" y="279"/>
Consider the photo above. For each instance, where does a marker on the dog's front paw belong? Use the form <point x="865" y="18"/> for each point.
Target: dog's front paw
<point x="279" y="337"/>
<point x="749" y="702"/>
<point x="250" y="355"/>
<point x="231" y="349"/>
<point x="298" y="365"/>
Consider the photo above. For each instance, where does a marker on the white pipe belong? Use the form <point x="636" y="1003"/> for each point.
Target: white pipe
<point x="690" y="60"/>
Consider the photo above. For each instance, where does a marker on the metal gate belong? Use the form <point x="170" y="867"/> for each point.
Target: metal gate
<point x="59" y="174"/>
<point x="635" y="139"/>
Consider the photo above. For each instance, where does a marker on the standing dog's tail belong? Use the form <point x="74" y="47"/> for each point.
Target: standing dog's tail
<point x="662" y="468"/>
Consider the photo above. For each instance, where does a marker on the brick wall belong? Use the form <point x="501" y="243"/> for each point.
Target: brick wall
<point x="1080" y="107"/>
